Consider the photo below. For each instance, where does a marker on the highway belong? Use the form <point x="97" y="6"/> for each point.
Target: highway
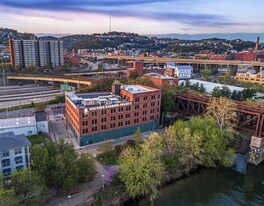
<point x="183" y="61"/>
<point x="25" y="101"/>
<point x="28" y="95"/>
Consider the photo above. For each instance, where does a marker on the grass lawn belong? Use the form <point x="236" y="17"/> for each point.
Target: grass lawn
<point x="37" y="139"/>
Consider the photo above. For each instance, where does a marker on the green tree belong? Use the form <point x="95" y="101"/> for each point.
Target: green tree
<point x="168" y="101"/>
<point x="28" y="185"/>
<point x="86" y="168"/>
<point x="137" y="137"/>
<point x="7" y="197"/>
<point x="205" y="74"/>
<point x="41" y="106"/>
<point x="143" y="171"/>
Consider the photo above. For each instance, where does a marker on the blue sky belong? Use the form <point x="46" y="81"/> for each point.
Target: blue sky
<point x="140" y="16"/>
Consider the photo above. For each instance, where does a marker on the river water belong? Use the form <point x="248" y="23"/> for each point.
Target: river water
<point x="215" y="187"/>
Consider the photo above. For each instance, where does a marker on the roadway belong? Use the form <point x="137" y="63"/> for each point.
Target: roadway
<point x="183" y="61"/>
<point x="26" y="101"/>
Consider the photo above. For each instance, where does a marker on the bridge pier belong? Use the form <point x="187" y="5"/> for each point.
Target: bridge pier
<point x="256" y="152"/>
<point x="256" y="68"/>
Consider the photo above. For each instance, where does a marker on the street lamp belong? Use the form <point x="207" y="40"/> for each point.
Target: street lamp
<point x="69" y="200"/>
<point x="103" y="180"/>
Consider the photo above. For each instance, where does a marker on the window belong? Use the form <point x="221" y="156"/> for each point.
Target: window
<point x="94" y="129"/>
<point x="128" y="108"/>
<point x="120" y="109"/>
<point x="127" y="122"/>
<point x="135" y="121"/>
<point x="86" y="123"/>
<point x="152" y="117"/>
<point x="103" y="127"/>
<point x="103" y="112"/>
<point x="94" y="114"/>
<point x="19" y="161"/>
<point x="145" y="98"/>
<point x="120" y="116"/>
<point x="120" y="124"/>
<point x="153" y="104"/>
<point x="6" y="162"/>
<point x="159" y="96"/>
<point x="103" y="120"/>
<point x="113" y="111"/>
<point x="18" y="151"/>
<point x="5" y="153"/>
<point x="145" y="105"/>
<point x="86" y="130"/>
<point x="144" y="112"/>
<point x="113" y="118"/>
<point x="136" y="114"/>
<point x="152" y="111"/>
<point x="153" y="97"/>
<point x="144" y="119"/>
<point x="83" y="123"/>
<point x="127" y="115"/>
<point x="94" y="121"/>
<point x="137" y="106"/>
<point x="137" y="99"/>
<point x="113" y="125"/>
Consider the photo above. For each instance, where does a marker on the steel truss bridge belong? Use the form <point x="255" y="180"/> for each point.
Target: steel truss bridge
<point x="250" y="118"/>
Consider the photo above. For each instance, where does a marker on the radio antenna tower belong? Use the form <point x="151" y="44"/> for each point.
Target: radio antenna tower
<point x="110" y="23"/>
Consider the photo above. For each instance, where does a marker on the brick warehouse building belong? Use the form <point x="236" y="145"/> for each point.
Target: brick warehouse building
<point x="95" y="117"/>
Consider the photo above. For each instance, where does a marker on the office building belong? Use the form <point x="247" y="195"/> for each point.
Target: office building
<point x="95" y="117"/>
<point x="14" y="152"/>
<point x="38" y="53"/>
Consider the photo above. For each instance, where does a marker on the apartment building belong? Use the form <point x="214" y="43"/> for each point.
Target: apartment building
<point x="179" y="71"/>
<point x="14" y="153"/>
<point x="38" y="53"/>
<point x="251" y="76"/>
<point x="95" y="117"/>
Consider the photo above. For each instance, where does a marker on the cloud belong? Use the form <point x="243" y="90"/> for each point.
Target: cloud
<point x="148" y="9"/>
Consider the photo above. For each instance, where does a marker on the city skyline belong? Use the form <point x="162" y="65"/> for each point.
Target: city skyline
<point x="140" y="16"/>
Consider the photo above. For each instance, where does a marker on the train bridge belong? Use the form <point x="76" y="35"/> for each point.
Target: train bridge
<point x="250" y="117"/>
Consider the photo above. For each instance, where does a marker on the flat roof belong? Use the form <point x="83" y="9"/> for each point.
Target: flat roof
<point x="160" y="76"/>
<point x="89" y="100"/>
<point x="136" y="89"/>
<point x="17" y="122"/>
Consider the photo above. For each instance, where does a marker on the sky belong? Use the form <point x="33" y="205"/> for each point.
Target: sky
<point x="139" y="16"/>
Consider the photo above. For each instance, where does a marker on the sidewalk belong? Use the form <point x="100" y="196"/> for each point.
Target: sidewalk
<point x="86" y="191"/>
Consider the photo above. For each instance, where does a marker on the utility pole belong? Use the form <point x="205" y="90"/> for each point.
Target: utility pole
<point x="3" y="75"/>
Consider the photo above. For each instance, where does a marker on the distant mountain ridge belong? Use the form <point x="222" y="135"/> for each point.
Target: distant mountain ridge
<point x="227" y="36"/>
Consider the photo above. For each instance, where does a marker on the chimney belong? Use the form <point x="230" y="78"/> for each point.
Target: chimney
<point x="257" y="43"/>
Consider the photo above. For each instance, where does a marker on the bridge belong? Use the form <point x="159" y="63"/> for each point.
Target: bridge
<point x="250" y="117"/>
<point x="180" y="61"/>
<point x="54" y="78"/>
<point x="107" y="71"/>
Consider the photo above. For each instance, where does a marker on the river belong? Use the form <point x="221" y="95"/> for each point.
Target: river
<point x="215" y="187"/>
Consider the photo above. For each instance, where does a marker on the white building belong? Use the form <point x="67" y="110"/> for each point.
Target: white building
<point x="14" y="152"/>
<point x="180" y="71"/>
<point x="42" y="122"/>
<point x="20" y="125"/>
<point x="184" y="71"/>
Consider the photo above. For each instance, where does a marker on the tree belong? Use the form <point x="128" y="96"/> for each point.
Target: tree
<point x="143" y="81"/>
<point x="86" y="168"/>
<point x="137" y="137"/>
<point x="7" y="197"/>
<point x="28" y="185"/>
<point x="206" y="73"/>
<point x="168" y="101"/>
<point x="142" y="171"/>
<point x="41" y="106"/>
<point x="202" y="88"/>
<point x="223" y="111"/>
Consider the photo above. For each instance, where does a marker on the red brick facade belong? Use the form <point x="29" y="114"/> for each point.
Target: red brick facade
<point x="138" y="108"/>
